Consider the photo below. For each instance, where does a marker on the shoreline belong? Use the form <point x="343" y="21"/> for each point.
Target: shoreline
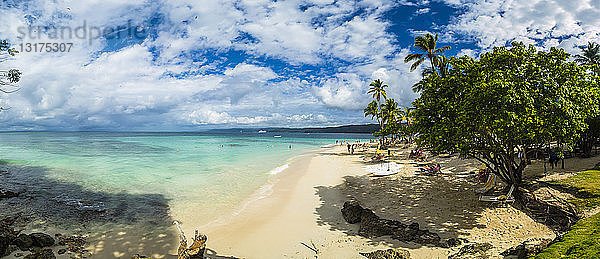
<point x="262" y="192"/>
<point x="305" y="211"/>
<point x="288" y="217"/>
<point x="298" y="212"/>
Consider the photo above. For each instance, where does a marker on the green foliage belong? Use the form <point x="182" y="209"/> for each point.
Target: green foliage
<point x="587" y="183"/>
<point x="391" y="115"/>
<point x="583" y="241"/>
<point x="388" y="115"/>
<point x="510" y="100"/>
<point x="590" y="54"/>
<point x="427" y="47"/>
<point x="10" y="76"/>
<point x="372" y="110"/>
<point x="590" y="57"/>
<point x="378" y="90"/>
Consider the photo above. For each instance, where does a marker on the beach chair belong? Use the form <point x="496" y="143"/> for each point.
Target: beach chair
<point x="509" y="197"/>
<point x="489" y="184"/>
<point x="431" y="169"/>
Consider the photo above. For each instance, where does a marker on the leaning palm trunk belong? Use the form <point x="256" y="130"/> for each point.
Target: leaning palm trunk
<point x="196" y="250"/>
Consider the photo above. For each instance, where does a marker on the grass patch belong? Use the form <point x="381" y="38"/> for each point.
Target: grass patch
<point x="587" y="184"/>
<point x="583" y="241"/>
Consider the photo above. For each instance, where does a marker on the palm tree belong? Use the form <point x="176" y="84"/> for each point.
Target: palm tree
<point x="407" y="115"/>
<point x="390" y="110"/>
<point x="590" y="54"/>
<point x="390" y="115"/>
<point x="375" y="112"/>
<point x="372" y="109"/>
<point x="427" y="46"/>
<point x="378" y="90"/>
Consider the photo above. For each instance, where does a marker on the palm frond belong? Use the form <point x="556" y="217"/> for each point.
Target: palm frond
<point x="411" y="57"/>
<point x="417" y="64"/>
<point x="442" y="49"/>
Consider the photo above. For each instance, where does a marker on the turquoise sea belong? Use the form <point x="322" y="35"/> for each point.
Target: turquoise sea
<point x="130" y="177"/>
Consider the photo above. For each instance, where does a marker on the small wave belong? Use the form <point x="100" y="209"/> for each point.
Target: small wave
<point x="279" y="169"/>
<point x="78" y="204"/>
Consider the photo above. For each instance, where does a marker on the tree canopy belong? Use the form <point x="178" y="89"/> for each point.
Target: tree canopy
<point x="8" y="77"/>
<point x="509" y="101"/>
<point x="427" y="47"/>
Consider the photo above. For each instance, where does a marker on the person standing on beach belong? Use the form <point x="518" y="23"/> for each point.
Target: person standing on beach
<point x="348" y="147"/>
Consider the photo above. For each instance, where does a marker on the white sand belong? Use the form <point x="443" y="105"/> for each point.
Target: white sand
<point x="307" y="198"/>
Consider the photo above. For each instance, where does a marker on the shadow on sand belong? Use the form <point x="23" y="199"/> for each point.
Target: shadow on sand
<point x="438" y="203"/>
<point x="117" y="224"/>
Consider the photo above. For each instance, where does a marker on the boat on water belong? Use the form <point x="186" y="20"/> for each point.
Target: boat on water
<point x="277" y="136"/>
<point x="262" y="131"/>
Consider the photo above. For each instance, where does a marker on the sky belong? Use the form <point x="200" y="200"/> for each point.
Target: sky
<point x="158" y="65"/>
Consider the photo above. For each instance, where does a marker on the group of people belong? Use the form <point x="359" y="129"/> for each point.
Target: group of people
<point x="351" y="146"/>
<point x="379" y="154"/>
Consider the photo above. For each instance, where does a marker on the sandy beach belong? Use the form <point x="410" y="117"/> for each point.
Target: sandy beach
<point x="304" y="210"/>
<point x="297" y="213"/>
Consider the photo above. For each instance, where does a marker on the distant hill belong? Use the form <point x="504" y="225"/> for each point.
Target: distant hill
<point x="368" y="128"/>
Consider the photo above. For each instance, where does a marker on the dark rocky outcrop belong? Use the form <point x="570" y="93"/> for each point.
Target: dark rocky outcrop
<point x="352" y="212"/>
<point x="372" y="226"/>
<point x="42" y="240"/>
<point x="7" y="235"/>
<point x="527" y="249"/>
<point x="11" y="240"/>
<point x="473" y="251"/>
<point x="23" y="242"/>
<point x="392" y="253"/>
<point x="452" y="242"/>
<point x="5" y="194"/>
<point x="75" y="243"/>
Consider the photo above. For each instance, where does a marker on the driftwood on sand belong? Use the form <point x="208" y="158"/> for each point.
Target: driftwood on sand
<point x="195" y="250"/>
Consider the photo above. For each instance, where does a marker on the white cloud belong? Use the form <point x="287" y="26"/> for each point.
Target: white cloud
<point x="545" y="23"/>
<point x="345" y="91"/>
<point x="423" y="11"/>
<point x="129" y="85"/>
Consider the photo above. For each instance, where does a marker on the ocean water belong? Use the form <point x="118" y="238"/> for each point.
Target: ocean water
<point x="133" y="176"/>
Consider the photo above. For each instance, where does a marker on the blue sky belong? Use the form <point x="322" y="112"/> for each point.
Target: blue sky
<point x="189" y="65"/>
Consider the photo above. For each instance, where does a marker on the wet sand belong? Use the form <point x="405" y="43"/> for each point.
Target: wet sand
<point x="301" y="209"/>
<point x="307" y="197"/>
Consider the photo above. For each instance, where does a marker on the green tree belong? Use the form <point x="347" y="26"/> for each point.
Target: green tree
<point x="509" y="101"/>
<point x="8" y="77"/>
<point x="391" y="115"/>
<point x="427" y="47"/>
<point x="407" y="115"/>
<point x="373" y="110"/>
<point x="378" y="90"/>
<point x="590" y="54"/>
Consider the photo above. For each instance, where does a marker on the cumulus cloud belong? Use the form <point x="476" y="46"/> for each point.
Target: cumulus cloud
<point x="163" y="80"/>
<point x="545" y="23"/>
<point x="345" y="91"/>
